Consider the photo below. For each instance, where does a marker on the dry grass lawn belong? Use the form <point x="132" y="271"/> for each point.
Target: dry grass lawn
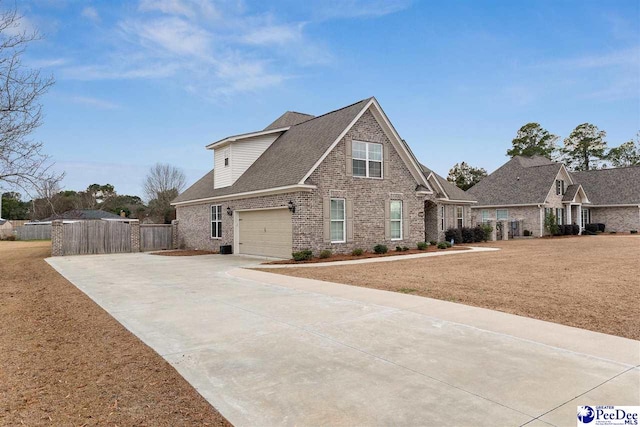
<point x="590" y="282"/>
<point x="65" y="361"/>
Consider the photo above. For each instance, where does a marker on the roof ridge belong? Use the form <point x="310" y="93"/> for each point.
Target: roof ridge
<point x="609" y="169"/>
<point x="334" y="111"/>
<point x="298" y="112"/>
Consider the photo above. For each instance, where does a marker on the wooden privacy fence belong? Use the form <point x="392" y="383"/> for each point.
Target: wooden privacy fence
<point x="155" y="237"/>
<point x="108" y="236"/>
<point x="34" y="232"/>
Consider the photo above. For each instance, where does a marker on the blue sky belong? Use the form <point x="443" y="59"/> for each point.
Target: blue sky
<point x="141" y="81"/>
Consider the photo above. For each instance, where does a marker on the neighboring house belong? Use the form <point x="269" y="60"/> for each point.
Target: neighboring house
<point x="339" y="181"/>
<point x="526" y="189"/>
<point x="83" y="215"/>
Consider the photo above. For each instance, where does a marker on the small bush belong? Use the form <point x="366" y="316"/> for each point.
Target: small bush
<point x="380" y="249"/>
<point x="454" y="234"/>
<point x="634" y="231"/>
<point x="398" y="249"/>
<point x="575" y="228"/>
<point x="357" y="252"/>
<point x="432" y="243"/>
<point x="304" y="255"/>
<point x="612" y="232"/>
<point x="487" y="229"/>
<point x="600" y="227"/>
<point x="443" y="245"/>
<point x="478" y="234"/>
<point x="448" y="244"/>
<point x="593" y="228"/>
<point x="422" y="246"/>
<point x="586" y="232"/>
<point x="568" y="230"/>
<point x="10" y="238"/>
<point x="467" y="234"/>
<point x="526" y="233"/>
<point x="405" y="248"/>
<point x="325" y="253"/>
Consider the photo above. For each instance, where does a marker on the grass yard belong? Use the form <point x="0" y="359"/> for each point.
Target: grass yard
<point x="65" y="361"/>
<point x="590" y="282"/>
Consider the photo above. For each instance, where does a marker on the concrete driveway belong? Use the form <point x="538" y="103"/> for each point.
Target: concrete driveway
<point x="273" y="350"/>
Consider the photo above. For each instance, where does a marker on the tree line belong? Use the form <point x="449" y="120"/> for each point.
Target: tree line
<point x="585" y="148"/>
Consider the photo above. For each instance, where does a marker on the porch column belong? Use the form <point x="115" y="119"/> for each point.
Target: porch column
<point x="580" y="218"/>
<point x="494" y="231"/>
<point x="568" y="210"/>
<point x="505" y="229"/>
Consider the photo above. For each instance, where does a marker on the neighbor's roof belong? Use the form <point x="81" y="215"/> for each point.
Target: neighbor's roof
<point x="520" y="181"/>
<point x="452" y="190"/>
<point x="288" y="159"/>
<point x="290" y="118"/>
<point x="619" y="186"/>
<point x="84" y="214"/>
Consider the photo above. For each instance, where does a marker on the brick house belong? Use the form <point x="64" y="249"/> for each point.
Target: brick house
<point x="339" y="181"/>
<point x="525" y="189"/>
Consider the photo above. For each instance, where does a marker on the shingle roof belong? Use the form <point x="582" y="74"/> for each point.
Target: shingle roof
<point x="520" y="181"/>
<point x="288" y="158"/>
<point x="84" y="214"/>
<point x="453" y="192"/>
<point x="290" y="118"/>
<point x="619" y="186"/>
<point x="570" y="192"/>
<point x="201" y="189"/>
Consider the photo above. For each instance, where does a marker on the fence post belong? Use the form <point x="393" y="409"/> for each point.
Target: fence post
<point x="174" y="234"/>
<point x="135" y="235"/>
<point x="57" y="238"/>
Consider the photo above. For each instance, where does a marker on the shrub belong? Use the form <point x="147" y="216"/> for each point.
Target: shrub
<point x="586" y="232"/>
<point x="432" y="243"/>
<point x="380" y="249"/>
<point x="575" y="229"/>
<point x="398" y="249"/>
<point x="487" y="229"/>
<point x="325" y="253"/>
<point x="357" y="252"/>
<point x="526" y="233"/>
<point x="550" y="224"/>
<point x="443" y="245"/>
<point x="454" y="234"/>
<point x="448" y="244"/>
<point x="612" y="232"/>
<point x="601" y="227"/>
<point x="634" y="231"/>
<point x="478" y="234"/>
<point x="10" y="238"/>
<point x="593" y="228"/>
<point x="422" y="246"/>
<point x="467" y="234"/>
<point x="303" y="255"/>
<point x="568" y="230"/>
<point x="405" y="248"/>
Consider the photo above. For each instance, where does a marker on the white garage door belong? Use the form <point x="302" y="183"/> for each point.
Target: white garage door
<point x="266" y="233"/>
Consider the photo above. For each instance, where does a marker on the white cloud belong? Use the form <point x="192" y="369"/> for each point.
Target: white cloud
<point x="337" y="9"/>
<point x="173" y="35"/>
<point x="186" y="8"/>
<point x="95" y="102"/>
<point x="274" y="34"/>
<point x="91" y="14"/>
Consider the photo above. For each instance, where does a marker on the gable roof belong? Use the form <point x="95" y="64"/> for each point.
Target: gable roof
<point x="520" y="181"/>
<point x="201" y="189"/>
<point x="85" y="214"/>
<point x="619" y="186"/>
<point x="452" y="192"/>
<point x="288" y="119"/>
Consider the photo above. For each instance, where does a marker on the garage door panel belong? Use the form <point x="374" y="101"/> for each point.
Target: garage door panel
<point x="266" y="233"/>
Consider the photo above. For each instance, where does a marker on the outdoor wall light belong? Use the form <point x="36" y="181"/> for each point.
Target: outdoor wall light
<point x="229" y="211"/>
<point x="292" y="206"/>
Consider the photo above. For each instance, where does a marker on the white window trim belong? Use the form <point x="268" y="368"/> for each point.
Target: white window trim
<point x="488" y="216"/>
<point x="401" y="220"/>
<point x="343" y="220"/>
<point x="460" y="216"/>
<point x="212" y="221"/>
<point x="498" y="216"/>
<point x="366" y="160"/>
<point x="226" y="158"/>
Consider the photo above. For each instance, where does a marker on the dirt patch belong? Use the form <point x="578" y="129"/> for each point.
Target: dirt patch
<point x="349" y="257"/>
<point x="185" y="252"/>
<point x="65" y="361"/>
<point x="589" y="282"/>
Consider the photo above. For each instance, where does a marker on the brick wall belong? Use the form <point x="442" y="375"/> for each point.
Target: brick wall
<point x="529" y="215"/>
<point x="621" y="219"/>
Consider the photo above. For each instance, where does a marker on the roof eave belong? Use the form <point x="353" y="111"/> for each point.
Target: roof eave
<point x="240" y="137"/>
<point x="249" y="194"/>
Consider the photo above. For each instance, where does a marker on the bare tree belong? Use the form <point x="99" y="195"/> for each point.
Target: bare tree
<point x="161" y="179"/>
<point x="22" y="161"/>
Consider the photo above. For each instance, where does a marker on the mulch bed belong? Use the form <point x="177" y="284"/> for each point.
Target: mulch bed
<point x="589" y="282"/>
<point x="65" y="361"/>
<point x="349" y="257"/>
<point x="185" y="252"/>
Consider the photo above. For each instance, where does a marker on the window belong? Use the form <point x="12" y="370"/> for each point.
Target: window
<point x="560" y="187"/>
<point x="485" y="216"/>
<point x="460" y="216"/>
<point x="216" y="221"/>
<point x="226" y="157"/>
<point x="586" y="217"/>
<point x="338" y="231"/>
<point x="367" y="159"/>
<point x="559" y="216"/>
<point x="396" y="220"/>
<point x="502" y="214"/>
<point x="442" y="218"/>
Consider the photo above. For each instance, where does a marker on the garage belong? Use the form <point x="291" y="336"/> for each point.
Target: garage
<point x="266" y="232"/>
